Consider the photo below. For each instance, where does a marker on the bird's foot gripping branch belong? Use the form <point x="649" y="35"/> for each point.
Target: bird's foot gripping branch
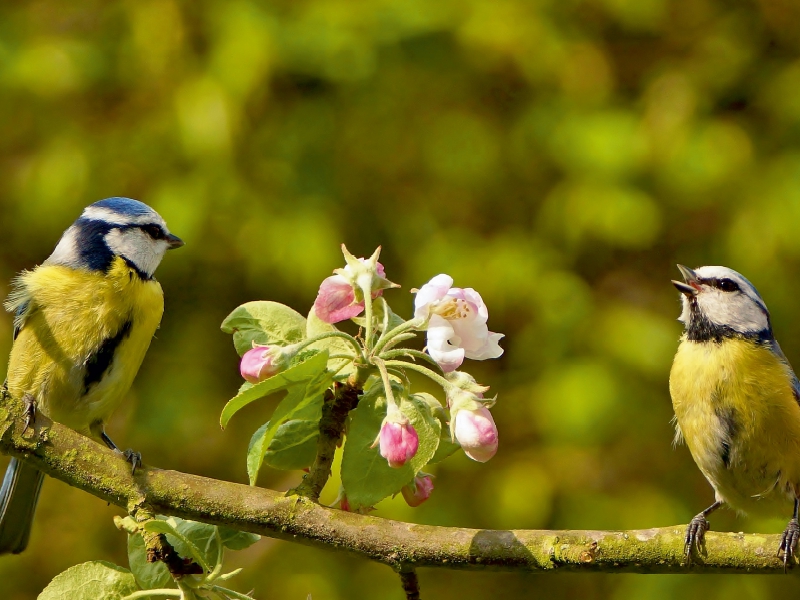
<point x="337" y="382"/>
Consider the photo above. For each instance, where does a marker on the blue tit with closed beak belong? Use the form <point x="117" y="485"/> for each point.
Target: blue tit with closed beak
<point x="83" y="322"/>
<point x="736" y="401"/>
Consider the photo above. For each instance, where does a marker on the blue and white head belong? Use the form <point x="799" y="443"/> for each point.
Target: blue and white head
<point x="115" y="227"/>
<point x="718" y="302"/>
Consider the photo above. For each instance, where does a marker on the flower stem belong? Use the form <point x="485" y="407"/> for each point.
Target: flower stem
<point x="387" y="336"/>
<point x="331" y="334"/>
<point x="401" y="364"/>
<point x="366" y="289"/>
<point x="387" y="383"/>
<point x="390" y="354"/>
<point x="231" y="593"/>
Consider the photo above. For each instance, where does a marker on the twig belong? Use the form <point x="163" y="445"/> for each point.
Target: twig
<point x="410" y="583"/>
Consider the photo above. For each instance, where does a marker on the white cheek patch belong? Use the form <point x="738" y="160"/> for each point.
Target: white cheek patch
<point x="137" y="247"/>
<point x="734" y="310"/>
<point x="66" y="252"/>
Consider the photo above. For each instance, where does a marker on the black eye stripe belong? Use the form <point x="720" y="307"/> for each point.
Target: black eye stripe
<point x="725" y="284"/>
<point x="154" y="231"/>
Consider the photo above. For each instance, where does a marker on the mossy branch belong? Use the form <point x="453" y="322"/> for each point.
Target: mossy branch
<point x="80" y="462"/>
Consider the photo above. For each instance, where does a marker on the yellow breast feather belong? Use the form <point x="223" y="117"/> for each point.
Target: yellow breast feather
<point x="736" y="410"/>
<point x="82" y="337"/>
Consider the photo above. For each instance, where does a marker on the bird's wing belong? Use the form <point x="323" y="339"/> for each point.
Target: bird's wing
<point x="19" y="318"/>
<point x="19" y="302"/>
<point x="776" y="348"/>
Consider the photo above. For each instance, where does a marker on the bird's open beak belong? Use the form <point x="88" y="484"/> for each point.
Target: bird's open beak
<point x="173" y="241"/>
<point x="692" y="284"/>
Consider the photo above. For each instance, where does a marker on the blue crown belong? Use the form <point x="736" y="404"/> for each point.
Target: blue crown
<point x="125" y="206"/>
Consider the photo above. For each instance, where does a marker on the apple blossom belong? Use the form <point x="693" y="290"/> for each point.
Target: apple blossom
<point x="336" y="300"/>
<point x="476" y="432"/>
<point x="418" y="490"/>
<point x="456" y="323"/>
<point x="258" y="364"/>
<point x="398" y="439"/>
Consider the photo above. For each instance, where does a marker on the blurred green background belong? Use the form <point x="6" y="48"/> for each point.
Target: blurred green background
<point x="558" y="156"/>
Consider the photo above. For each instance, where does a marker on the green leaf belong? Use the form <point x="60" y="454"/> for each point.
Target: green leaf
<point x="201" y="535"/>
<point x="237" y="540"/>
<point x="90" y="581"/>
<point x="316" y="326"/>
<point x="265" y="323"/>
<point x="296" y="374"/>
<point x="366" y="476"/>
<point x="189" y="538"/>
<point x="294" y="445"/>
<point x="148" y="575"/>
<point x="299" y="400"/>
<point x="446" y="447"/>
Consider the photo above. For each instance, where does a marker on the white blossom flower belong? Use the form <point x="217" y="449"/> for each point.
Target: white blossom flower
<point x="456" y="323"/>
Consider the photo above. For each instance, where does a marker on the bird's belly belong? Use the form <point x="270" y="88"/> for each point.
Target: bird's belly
<point x="736" y="410"/>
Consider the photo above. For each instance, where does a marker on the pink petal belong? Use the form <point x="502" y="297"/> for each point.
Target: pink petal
<point x="335" y="300"/>
<point x="476" y="431"/>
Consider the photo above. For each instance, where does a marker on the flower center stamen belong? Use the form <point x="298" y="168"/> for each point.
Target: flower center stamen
<point x="452" y="309"/>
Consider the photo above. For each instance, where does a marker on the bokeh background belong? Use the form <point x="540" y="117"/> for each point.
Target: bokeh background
<point x="560" y="156"/>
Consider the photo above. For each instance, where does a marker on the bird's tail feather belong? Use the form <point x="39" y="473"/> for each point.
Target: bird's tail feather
<point x="18" y="496"/>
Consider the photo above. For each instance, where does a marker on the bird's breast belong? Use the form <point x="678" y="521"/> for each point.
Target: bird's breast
<point x="82" y="340"/>
<point x="735" y="408"/>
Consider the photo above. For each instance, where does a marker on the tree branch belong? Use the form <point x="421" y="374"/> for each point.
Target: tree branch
<point x="331" y="428"/>
<point x="80" y="462"/>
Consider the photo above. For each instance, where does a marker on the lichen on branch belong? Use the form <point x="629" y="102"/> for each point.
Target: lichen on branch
<point x="80" y="462"/>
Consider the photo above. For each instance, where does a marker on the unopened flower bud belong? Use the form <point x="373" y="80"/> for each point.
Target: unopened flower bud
<point x="398" y="440"/>
<point x="339" y="298"/>
<point x="258" y="364"/>
<point x="476" y="432"/>
<point x="418" y="490"/>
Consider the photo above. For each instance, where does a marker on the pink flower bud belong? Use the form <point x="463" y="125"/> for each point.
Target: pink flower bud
<point x="336" y="299"/>
<point x="418" y="491"/>
<point x="258" y="364"/>
<point x="344" y="503"/>
<point x="398" y="442"/>
<point x="476" y="432"/>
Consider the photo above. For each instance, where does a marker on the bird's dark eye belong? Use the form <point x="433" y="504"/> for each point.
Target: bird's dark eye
<point x="154" y="231"/>
<point x="728" y="285"/>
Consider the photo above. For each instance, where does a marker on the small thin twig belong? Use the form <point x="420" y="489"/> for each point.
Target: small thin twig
<point x="410" y="583"/>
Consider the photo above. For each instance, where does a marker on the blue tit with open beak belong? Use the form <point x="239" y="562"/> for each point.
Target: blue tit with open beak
<point x="736" y="401"/>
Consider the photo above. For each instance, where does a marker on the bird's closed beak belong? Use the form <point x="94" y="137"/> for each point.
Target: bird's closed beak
<point x="173" y="241"/>
<point x="692" y="284"/>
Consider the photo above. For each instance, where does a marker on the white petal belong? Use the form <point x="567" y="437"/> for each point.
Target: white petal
<point x="431" y="292"/>
<point x="489" y="349"/>
<point x="440" y="333"/>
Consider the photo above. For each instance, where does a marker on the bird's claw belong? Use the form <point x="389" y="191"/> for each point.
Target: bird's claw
<point x="133" y="457"/>
<point x="789" y="539"/>
<point x="30" y="411"/>
<point x="695" y="536"/>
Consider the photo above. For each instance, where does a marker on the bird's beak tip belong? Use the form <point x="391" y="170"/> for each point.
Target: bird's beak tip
<point x="690" y="284"/>
<point x="174" y="242"/>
